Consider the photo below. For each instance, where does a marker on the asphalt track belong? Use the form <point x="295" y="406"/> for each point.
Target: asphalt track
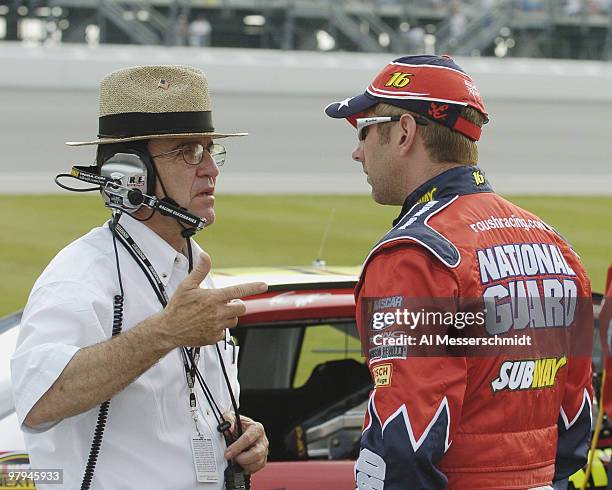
<point x="528" y="147"/>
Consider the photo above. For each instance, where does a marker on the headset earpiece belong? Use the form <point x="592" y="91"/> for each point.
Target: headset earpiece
<point x="136" y="169"/>
<point x="134" y="172"/>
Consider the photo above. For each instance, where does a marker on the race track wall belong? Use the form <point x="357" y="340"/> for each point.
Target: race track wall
<point x="548" y="131"/>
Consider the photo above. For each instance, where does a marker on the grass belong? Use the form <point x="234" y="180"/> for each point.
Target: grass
<point x="267" y="230"/>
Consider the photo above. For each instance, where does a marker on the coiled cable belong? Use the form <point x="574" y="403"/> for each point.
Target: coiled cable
<point x="96" y="443"/>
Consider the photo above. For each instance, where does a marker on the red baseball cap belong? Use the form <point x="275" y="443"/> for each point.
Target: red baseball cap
<point x="433" y="86"/>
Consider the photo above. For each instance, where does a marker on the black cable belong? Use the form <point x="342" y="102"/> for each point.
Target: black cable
<point x="95" y="446"/>
<point x="116" y="218"/>
<point x="96" y="443"/>
<point x="142" y="220"/>
<point x="190" y="254"/>
<point x="73" y="189"/>
<point x="131" y="251"/>
<point x="209" y="398"/>
<point x="231" y="392"/>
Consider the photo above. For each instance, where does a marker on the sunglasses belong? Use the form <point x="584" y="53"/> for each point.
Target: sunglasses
<point x="364" y="122"/>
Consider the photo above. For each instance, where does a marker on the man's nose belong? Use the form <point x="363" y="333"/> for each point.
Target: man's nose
<point x="208" y="167"/>
<point x="357" y="153"/>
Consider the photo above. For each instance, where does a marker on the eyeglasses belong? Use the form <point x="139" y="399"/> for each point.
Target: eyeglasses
<point x="193" y="153"/>
<point x="364" y="122"/>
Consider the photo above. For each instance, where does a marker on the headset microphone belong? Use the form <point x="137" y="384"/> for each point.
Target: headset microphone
<point x="135" y="197"/>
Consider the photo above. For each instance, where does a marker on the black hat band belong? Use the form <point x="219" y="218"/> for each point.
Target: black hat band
<point x="131" y="124"/>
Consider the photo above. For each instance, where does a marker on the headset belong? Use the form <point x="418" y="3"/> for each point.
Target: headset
<point x="127" y="183"/>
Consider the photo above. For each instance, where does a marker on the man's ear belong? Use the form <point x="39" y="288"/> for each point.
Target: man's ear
<point x="407" y="134"/>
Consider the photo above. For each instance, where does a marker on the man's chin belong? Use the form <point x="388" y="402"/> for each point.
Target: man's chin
<point x="377" y="197"/>
<point x="385" y="199"/>
<point x="208" y="215"/>
<point x="203" y="212"/>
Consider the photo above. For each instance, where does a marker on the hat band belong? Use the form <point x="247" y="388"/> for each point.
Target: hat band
<point x="131" y="124"/>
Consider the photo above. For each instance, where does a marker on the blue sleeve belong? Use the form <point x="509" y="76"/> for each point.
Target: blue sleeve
<point x="390" y="457"/>
<point x="574" y="437"/>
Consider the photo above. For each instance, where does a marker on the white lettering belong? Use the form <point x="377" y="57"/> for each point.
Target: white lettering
<point x="570" y="293"/>
<point x="371" y="469"/>
<point x="499" y="317"/>
<point x="501" y="382"/>
<point x="518" y="297"/>
<point x="529" y="261"/>
<point x="505" y="268"/>
<point x="543" y="257"/>
<point x="536" y="311"/>
<point x="558" y="262"/>
<point x="488" y="267"/>
<point x="553" y="293"/>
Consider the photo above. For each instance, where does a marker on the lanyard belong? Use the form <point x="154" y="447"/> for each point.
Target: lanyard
<point x="190" y="356"/>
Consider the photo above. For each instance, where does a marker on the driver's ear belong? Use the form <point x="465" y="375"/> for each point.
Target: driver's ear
<point x="407" y="133"/>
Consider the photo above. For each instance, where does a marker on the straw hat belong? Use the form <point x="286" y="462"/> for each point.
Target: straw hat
<point x="158" y="101"/>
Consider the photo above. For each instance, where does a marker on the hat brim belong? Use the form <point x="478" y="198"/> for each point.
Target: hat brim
<point x="108" y="141"/>
<point x="351" y="106"/>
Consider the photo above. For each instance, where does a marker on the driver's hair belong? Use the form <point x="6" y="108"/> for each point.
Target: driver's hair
<point x="442" y="143"/>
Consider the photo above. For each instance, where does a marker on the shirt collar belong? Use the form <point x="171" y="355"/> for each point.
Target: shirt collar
<point x="466" y="179"/>
<point x="159" y="252"/>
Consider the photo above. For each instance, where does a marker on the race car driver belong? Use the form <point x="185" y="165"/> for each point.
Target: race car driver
<point x="472" y="418"/>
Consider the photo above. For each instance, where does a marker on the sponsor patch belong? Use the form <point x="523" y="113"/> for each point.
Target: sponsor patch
<point x="530" y="374"/>
<point x="518" y="294"/>
<point x="388" y="302"/>
<point x="428" y="196"/>
<point x="381" y="374"/>
<point x="388" y="352"/>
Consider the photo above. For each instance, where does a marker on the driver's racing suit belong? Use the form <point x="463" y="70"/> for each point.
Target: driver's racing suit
<point x="482" y="422"/>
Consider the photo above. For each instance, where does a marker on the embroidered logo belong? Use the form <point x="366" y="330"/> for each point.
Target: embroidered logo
<point x="399" y="79"/>
<point x="428" y="196"/>
<point x="382" y="375"/>
<point x="438" y="111"/>
<point x="479" y="179"/>
<point x="528" y="374"/>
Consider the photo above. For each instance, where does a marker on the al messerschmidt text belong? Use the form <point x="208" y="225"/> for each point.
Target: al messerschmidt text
<point x="430" y="339"/>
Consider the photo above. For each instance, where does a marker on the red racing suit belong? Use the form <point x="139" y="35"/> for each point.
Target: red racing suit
<point x="474" y="422"/>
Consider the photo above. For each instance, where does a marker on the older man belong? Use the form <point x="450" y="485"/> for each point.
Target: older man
<point x="120" y="315"/>
<point x="478" y="418"/>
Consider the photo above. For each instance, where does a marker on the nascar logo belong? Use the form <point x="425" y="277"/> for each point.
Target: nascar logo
<point x="528" y="374"/>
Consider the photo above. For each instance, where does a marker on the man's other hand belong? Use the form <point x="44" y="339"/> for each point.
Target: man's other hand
<point x="250" y="450"/>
